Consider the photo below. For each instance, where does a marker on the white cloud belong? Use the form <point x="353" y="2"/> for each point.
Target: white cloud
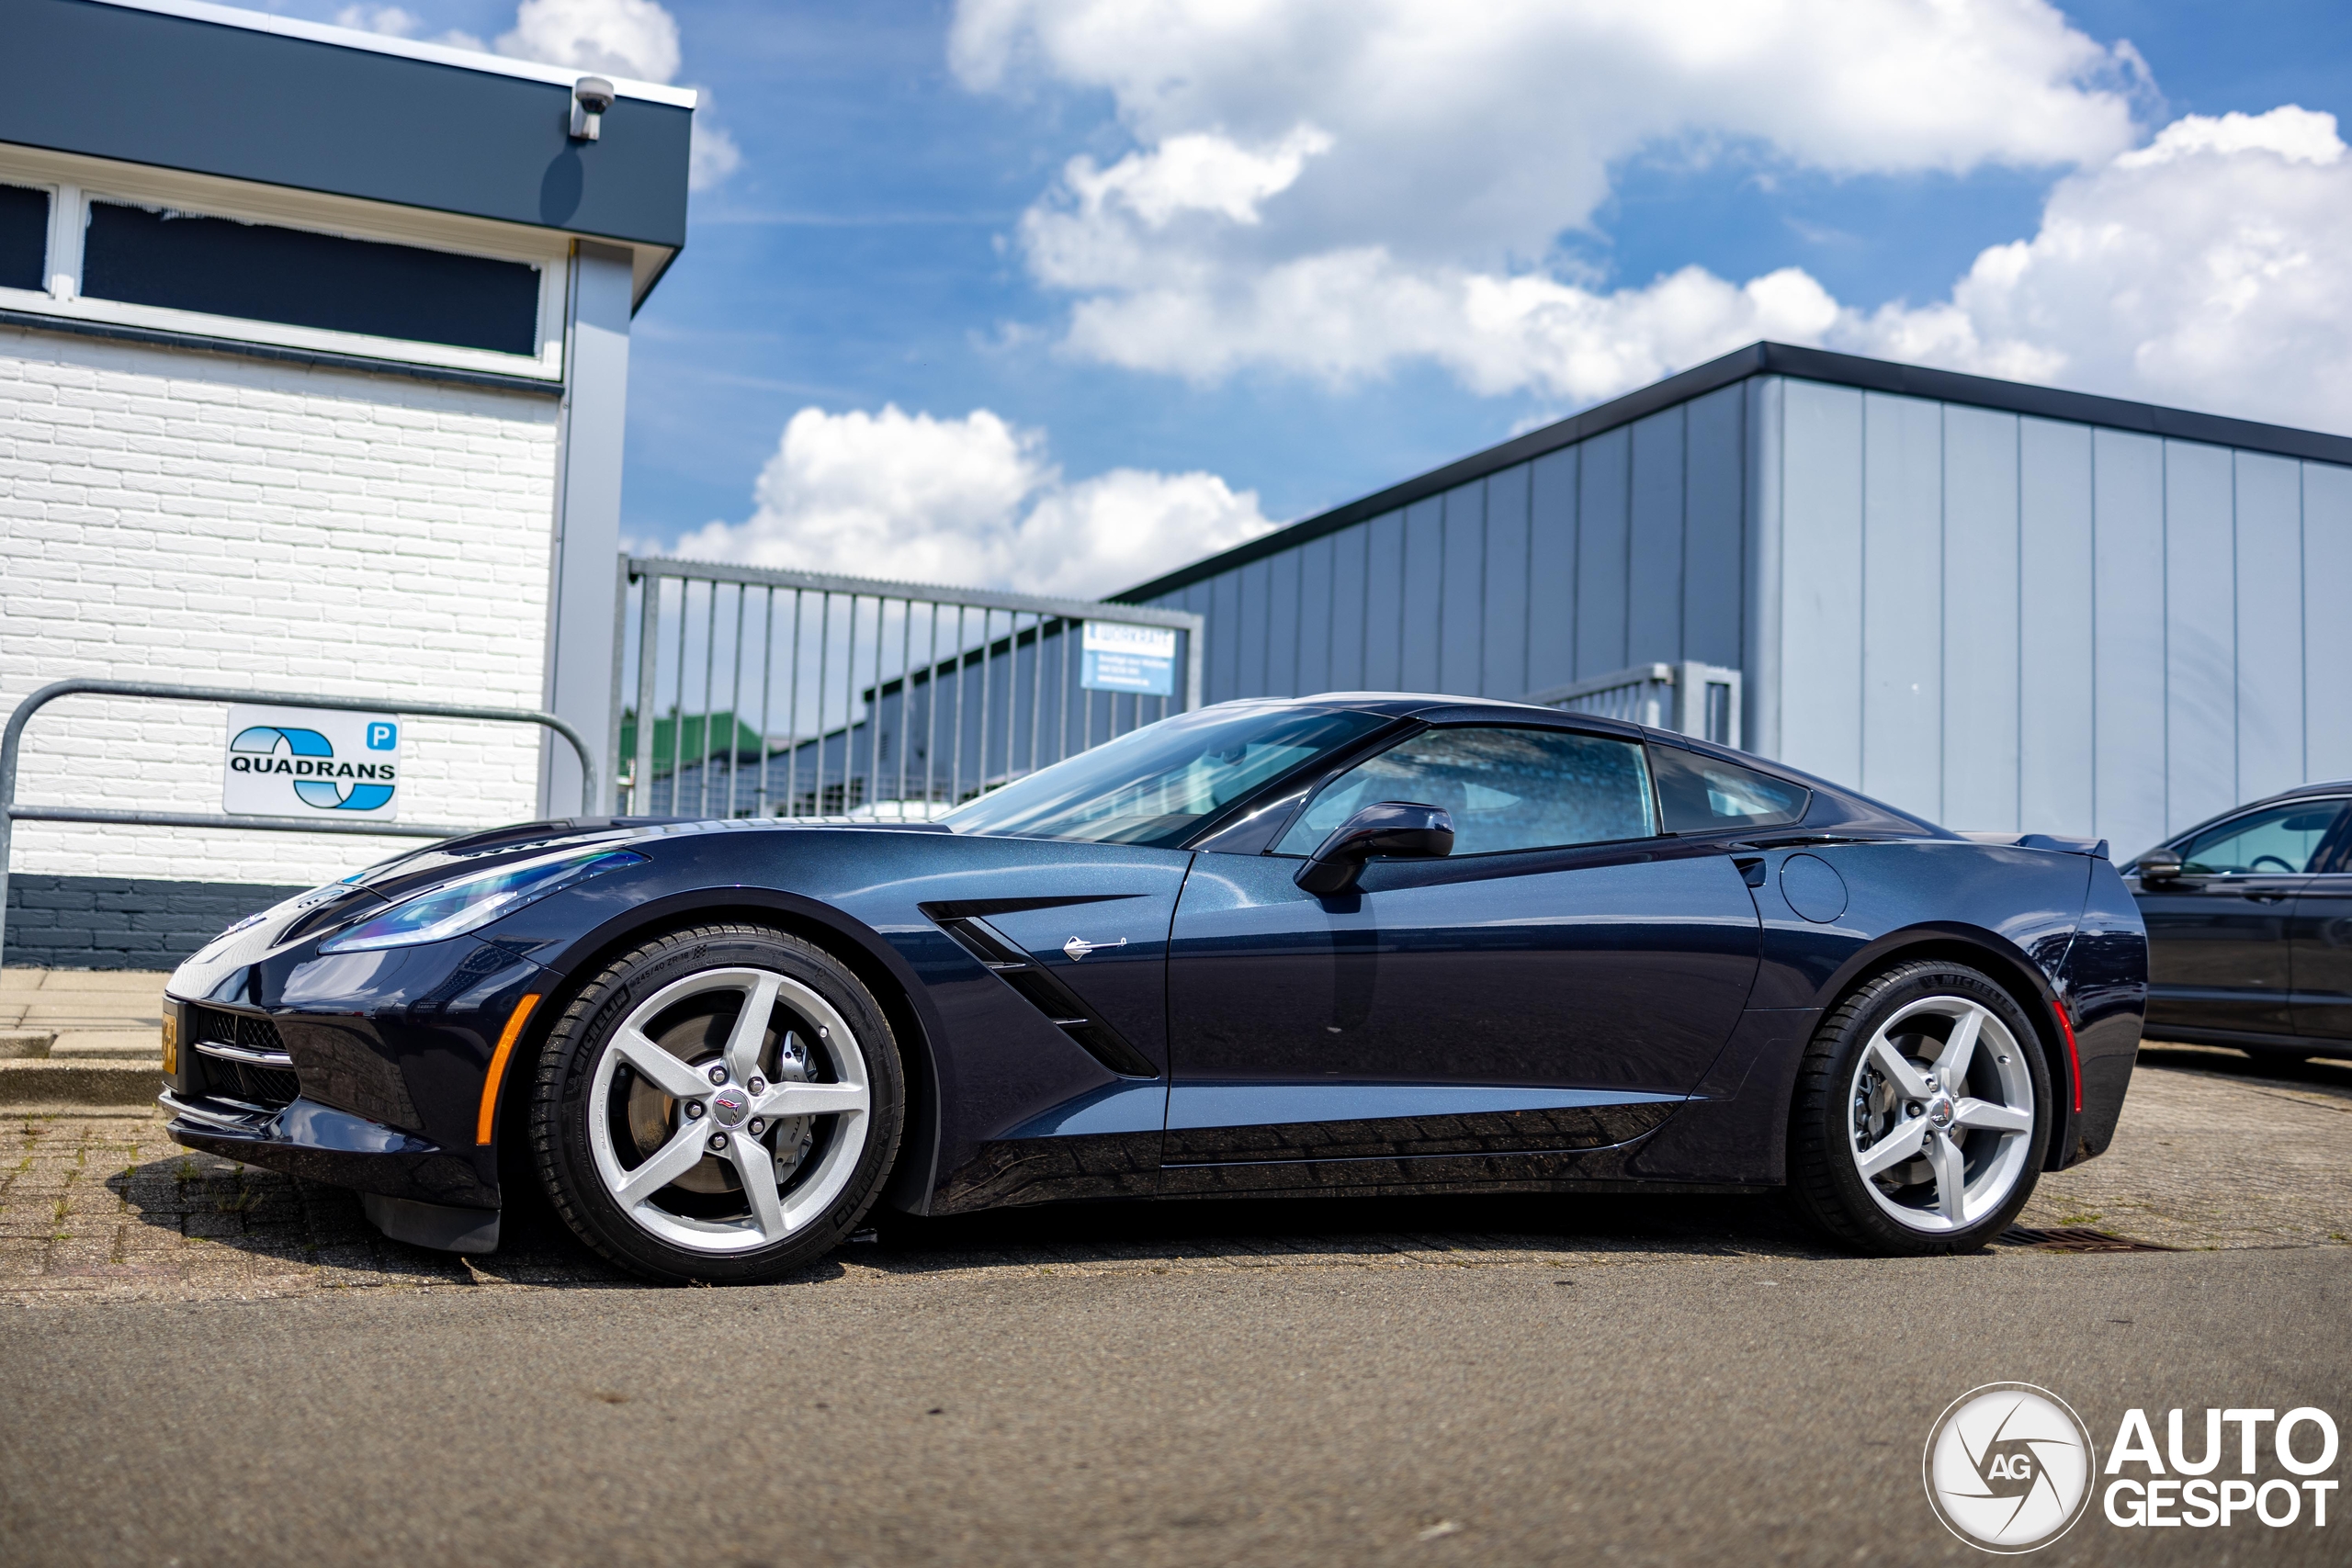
<point x="1468" y="133"/>
<point x="970" y="500"/>
<point x="1196" y="173"/>
<point x="387" y="19"/>
<point x="2205" y="269"/>
<point x="2298" y="135"/>
<point x="1346" y="315"/>
<point x="395" y="22"/>
<point x="621" y="38"/>
<point x="712" y="155"/>
<point x="1330" y="188"/>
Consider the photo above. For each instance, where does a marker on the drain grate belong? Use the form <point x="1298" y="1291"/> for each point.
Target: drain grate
<point x="2076" y="1238"/>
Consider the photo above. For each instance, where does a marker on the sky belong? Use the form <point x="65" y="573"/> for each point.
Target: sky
<point x="1058" y="295"/>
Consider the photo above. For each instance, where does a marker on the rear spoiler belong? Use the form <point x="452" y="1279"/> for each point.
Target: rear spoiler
<point x="2058" y="843"/>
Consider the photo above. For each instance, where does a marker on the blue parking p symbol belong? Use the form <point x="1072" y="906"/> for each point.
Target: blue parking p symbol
<point x="382" y="737"/>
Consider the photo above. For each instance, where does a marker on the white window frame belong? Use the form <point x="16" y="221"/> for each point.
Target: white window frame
<point x="73" y="182"/>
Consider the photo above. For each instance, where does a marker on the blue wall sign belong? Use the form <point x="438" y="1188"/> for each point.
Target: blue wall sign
<point x="1120" y="658"/>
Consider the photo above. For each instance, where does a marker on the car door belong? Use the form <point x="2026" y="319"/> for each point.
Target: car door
<point x="2318" y="941"/>
<point x="2217" y="939"/>
<point x="1560" y="981"/>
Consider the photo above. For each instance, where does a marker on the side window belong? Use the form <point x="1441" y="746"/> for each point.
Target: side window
<point x="1700" y="794"/>
<point x="1507" y="789"/>
<point x="2279" y="841"/>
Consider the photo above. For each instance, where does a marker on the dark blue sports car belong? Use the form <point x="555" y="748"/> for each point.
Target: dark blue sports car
<point x="1358" y="942"/>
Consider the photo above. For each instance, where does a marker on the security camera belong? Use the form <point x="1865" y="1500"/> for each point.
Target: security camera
<point x="591" y="97"/>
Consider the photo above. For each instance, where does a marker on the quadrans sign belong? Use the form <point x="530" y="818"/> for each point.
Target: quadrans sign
<point x="305" y="761"/>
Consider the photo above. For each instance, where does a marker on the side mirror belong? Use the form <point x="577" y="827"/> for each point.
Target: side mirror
<point x="1386" y="827"/>
<point x="2158" y="865"/>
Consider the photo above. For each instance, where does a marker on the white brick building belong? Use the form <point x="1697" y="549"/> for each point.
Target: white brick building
<point x="225" y="462"/>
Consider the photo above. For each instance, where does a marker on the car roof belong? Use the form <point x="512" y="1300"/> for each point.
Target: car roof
<point x="1432" y="704"/>
<point x="2301" y="792"/>
<point x="1437" y="707"/>
<point x="2340" y="786"/>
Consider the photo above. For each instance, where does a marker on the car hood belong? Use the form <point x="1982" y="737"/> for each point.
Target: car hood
<point x="392" y="880"/>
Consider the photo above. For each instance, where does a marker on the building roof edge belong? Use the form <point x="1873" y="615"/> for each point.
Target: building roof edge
<point x="1766" y="359"/>
<point x="411" y="49"/>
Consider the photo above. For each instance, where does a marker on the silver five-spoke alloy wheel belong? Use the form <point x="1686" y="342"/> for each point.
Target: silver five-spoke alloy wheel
<point x="1942" y="1114"/>
<point x="727" y="1147"/>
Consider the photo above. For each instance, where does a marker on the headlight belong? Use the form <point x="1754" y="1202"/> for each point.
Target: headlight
<point x="456" y="907"/>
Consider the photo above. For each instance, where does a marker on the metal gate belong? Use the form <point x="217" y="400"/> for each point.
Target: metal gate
<point x="748" y="691"/>
<point x="1687" y="698"/>
<point x="12" y="740"/>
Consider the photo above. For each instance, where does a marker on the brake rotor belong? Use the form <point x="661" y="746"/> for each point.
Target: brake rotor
<point x="1878" y="1109"/>
<point x="699" y="1040"/>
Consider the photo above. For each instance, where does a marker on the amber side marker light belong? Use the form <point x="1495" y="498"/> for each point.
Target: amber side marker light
<point x="171" y="1041"/>
<point x="514" y="1031"/>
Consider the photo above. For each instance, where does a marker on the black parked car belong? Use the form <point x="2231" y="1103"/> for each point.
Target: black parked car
<point x="2249" y="921"/>
<point x="1361" y="942"/>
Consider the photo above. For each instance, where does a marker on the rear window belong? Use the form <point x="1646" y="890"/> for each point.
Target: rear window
<point x="1702" y="795"/>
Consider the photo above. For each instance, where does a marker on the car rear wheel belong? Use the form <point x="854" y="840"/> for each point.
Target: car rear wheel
<point x="1921" y="1114"/>
<point x="719" y="1105"/>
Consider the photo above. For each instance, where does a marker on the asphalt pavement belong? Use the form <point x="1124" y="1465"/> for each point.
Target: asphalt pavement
<point x="1487" y="1382"/>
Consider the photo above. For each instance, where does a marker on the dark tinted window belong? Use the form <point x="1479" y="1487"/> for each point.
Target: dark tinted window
<point x="24" y="237"/>
<point x="266" y="274"/>
<point x="2276" y="841"/>
<point x="1701" y="794"/>
<point x="1506" y="789"/>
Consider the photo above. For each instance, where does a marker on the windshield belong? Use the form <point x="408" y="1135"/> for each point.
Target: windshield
<point x="1156" y="784"/>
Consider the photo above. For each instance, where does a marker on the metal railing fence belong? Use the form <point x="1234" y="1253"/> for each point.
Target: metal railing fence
<point x="1689" y="698"/>
<point x="752" y="692"/>
<point x="12" y="740"/>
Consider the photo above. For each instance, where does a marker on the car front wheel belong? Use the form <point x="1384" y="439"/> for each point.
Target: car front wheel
<point x="1921" y="1112"/>
<point x="719" y="1105"/>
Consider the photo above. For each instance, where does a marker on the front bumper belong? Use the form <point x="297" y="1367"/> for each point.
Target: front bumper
<point x="322" y="1143"/>
<point x="371" y="1071"/>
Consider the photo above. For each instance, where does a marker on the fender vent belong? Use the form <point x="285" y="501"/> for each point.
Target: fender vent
<point x="1044" y="990"/>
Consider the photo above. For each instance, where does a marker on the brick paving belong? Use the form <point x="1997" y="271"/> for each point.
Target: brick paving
<point x="2213" y="1153"/>
<point x="2216" y="1150"/>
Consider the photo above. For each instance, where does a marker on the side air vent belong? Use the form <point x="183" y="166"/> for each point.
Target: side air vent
<point x="1043" y="990"/>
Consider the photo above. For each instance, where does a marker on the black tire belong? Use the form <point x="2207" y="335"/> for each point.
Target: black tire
<point x="1832" y="1118"/>
<point x="564" y="1094"/>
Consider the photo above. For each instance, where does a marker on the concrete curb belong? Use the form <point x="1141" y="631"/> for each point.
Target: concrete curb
<point x="50" y="1083"/>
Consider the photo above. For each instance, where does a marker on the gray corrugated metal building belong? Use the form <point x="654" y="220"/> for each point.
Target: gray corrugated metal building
<point x="2002" y="606"/>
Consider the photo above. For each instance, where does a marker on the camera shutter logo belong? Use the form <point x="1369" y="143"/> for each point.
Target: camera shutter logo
<point x="2008" y="1467"/>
